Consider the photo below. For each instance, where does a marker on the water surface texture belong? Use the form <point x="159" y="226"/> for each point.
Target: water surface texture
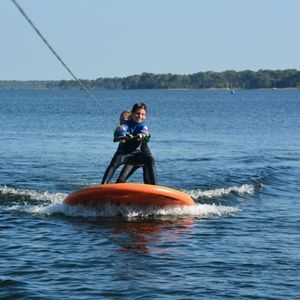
<point x="237" y="155"/>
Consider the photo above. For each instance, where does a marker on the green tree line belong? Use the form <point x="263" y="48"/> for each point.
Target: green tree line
<point x="247" y="79"/>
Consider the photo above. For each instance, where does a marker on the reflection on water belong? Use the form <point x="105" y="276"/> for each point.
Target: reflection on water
<point x="140" y="234"/>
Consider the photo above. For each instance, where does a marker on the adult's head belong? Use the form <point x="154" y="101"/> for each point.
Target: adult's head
<point x="139" y="112"/>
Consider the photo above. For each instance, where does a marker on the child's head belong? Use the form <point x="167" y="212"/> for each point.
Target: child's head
<point x="139" y="112"/>
<point x="124" y="116"/>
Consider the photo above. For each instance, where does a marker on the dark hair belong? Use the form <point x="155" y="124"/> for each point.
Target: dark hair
<point x="137" y="106"/>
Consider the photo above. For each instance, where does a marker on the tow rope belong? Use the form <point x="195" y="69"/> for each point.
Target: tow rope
<point x="63" y="63"/>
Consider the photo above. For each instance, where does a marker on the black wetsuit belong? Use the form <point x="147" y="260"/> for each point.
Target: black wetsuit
<point x="130" y="153"/>
<point x="128" y="170"/>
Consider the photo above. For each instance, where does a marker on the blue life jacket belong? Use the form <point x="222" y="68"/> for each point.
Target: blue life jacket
<point x="133" y="128"/>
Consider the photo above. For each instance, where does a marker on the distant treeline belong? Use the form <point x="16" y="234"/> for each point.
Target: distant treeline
<point x="202" y="80"/>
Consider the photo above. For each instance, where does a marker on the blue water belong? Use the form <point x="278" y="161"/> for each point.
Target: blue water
<point x="237" y="155"/>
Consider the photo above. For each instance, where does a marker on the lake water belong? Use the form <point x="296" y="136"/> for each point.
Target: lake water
<point x="237" y="155"/>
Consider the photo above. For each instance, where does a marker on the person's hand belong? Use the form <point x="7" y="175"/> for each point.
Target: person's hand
<point x="129" y="136"/>
<point x="121" y="128"/>
<point x="140" y="136"/>
<point x="148" y="133"/>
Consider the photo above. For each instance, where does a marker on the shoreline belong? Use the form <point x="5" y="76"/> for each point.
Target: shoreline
<point x="227" y="80"/>
<point x="158" y="89"/>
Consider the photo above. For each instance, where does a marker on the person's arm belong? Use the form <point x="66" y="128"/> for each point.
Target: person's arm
<point x="120" y="134"/>
<point x="144" y="133"/>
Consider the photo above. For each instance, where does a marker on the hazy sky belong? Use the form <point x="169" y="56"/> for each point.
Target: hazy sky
<point x="108" y="38"/>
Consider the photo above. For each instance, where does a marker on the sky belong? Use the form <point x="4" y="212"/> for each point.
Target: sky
<point x="118" y="38"/>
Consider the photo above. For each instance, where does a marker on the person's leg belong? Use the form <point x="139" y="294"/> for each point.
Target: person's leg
<point x="126" y="172"/>
<point x="114" y="164"/>
<point x="150" y="170"/>
<point x="142" y="158"/>
<point x="146" y="175"/>
<point x="136" y="158"/>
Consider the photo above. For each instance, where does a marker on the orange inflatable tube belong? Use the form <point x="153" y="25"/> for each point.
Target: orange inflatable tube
<point x="129" y="194"/>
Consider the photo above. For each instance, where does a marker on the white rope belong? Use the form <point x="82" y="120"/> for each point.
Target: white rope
<point x="63" y="63"/>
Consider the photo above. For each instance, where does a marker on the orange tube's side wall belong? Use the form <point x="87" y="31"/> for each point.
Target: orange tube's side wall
<point x="129" y="194"/>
